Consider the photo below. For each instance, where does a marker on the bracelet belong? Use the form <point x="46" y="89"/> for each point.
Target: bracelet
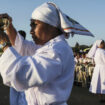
<point x="6" y="44"/>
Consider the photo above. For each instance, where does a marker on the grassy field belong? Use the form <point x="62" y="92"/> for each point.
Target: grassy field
<point x="79" y="96"/>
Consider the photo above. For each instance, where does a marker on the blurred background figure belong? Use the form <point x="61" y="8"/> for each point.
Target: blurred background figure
<point x="98" y="79"/>
<point x="22" y="33"/>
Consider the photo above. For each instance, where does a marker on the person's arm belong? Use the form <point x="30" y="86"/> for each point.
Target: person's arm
<point x="24" y="72"/>
<point x="11" y="32"/>
<point x="24" y="47"/>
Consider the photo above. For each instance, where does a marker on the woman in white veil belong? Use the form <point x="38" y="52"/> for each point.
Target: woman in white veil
<point x="97" y="52"/>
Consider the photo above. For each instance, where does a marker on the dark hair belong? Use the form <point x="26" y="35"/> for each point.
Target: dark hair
<point x="22" y="33"/>
<point x="102" y="42"/>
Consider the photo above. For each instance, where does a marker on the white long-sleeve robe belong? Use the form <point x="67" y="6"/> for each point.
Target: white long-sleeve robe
<point x="18" y="98"/>
<point x="46" y="76"/>
<point x="98" y="78"/>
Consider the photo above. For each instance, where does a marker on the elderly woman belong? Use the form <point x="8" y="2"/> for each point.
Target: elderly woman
<point x="46" y="72"/>
<point x="98" y="79"/>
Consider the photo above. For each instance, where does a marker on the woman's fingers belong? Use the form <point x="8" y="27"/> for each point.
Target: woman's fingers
<point x="5" y="15"/>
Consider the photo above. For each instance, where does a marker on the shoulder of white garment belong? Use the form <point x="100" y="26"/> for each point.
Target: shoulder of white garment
<point x="59" y="43"/>
<point x="100" y="50"/>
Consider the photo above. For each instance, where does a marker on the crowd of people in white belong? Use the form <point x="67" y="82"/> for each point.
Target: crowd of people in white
<point x="83" y="68"/>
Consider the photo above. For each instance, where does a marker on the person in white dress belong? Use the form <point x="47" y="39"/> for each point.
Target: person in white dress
<point x="46" y="72"/>
<point x="97" y="52"/>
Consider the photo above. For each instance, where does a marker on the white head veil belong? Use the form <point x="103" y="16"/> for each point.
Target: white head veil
<point x="49" y="13"/>
<point x="92" y="51"/>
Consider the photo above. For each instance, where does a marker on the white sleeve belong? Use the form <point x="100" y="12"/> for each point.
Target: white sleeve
<point x="28" y="71"/>
<point x="103" y="56"/>
<point x="26" y="46"/>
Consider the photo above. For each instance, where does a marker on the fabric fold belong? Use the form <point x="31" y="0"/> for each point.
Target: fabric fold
<point x="51" y="14"/>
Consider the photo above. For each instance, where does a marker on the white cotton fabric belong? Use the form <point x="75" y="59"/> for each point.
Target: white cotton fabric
<point x="47" y="13"/>
<point x="25" y="47"/>
<point x="51" y="14"/>
<point x="92" y="51"/>
<point x="16" y="97"/>
<point x="98" y="78"/>
<point x="46" y="76"/>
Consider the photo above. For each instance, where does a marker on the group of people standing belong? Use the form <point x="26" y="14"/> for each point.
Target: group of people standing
<point x="83" y="69"/>
<point x="43" y="69"/>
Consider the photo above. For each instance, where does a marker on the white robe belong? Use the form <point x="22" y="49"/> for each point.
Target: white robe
<point x="98" y="78"/>
<point x="46" y="76"/>
<point x="18" y="98"/>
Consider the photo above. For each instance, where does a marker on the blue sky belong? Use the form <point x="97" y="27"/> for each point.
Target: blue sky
<point x="89" y="13"/>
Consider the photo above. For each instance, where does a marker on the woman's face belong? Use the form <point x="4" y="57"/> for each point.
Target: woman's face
<point x="39" y="32"/>
<point x="102" y="45"/>
<point x="42" y="32"/>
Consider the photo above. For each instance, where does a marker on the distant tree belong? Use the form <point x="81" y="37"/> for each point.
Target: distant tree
<point x="82" y="47"/>
<point x="77" y="45"/>
<point x="76" y="48"/>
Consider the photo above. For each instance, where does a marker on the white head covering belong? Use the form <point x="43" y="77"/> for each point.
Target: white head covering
<point x="46" y="13"/>
<point x="92" y="51"/>
<point x="49" y="13"/>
